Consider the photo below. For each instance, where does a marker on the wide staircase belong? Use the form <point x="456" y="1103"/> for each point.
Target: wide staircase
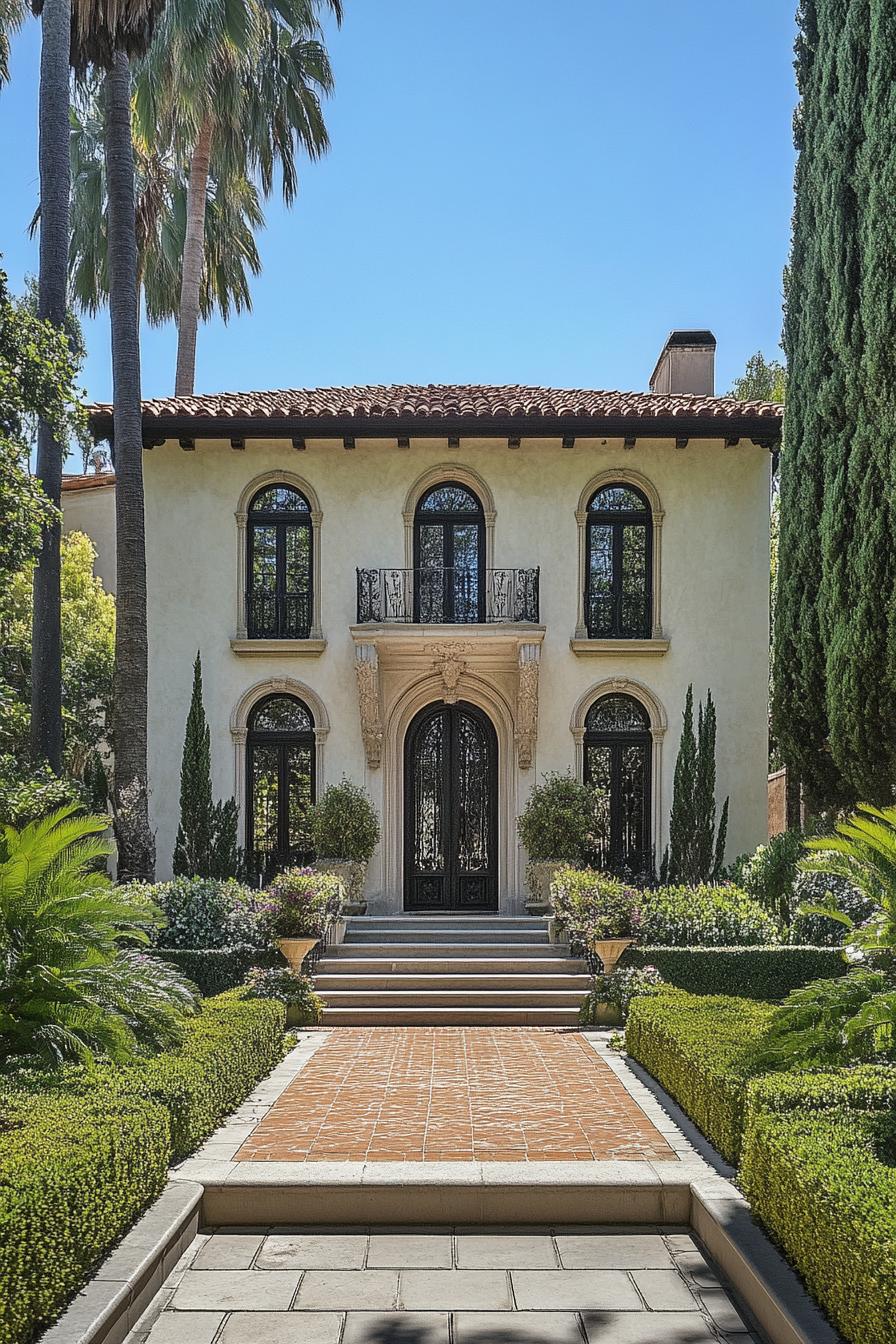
<point x="449" y="970"/>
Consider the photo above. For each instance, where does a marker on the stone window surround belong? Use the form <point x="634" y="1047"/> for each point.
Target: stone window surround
<point x="315" y="641"/>
<point x="239" y="730"/>
<point x="658" y="726"/>
<point x="622" y="476"/>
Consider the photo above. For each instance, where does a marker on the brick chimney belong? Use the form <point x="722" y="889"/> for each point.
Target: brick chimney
<point x="686" y="364"/>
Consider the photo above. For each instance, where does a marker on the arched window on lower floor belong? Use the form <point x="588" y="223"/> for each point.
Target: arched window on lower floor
<point x="280" y="785"/>
<point x="617" y="757"/>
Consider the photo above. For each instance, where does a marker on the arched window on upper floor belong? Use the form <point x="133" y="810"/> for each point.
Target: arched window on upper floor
<point x="618" y="596"/>
<point x="280" y="565"/>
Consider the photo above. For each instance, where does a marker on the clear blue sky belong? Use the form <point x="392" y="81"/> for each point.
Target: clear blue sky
<point x="516" y="192"/>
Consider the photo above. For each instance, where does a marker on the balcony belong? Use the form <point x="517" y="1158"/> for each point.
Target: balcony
<point x="448" y="596"/>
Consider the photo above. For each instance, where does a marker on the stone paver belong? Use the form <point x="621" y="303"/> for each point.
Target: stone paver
<point x="444" y="1285"/>
<point x="393" y="1094"/>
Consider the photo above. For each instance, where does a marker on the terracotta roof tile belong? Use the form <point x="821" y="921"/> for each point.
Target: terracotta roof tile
<point x="472" y="404"/>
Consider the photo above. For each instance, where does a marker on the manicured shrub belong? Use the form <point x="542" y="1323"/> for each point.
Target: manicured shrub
<point x="768" y="973"/>
<point x="216" y="969"/>
<point x="817" y="1181"/>
<point x="228" y="1048"/>
<point x="704" y="916"/>
<point x="769" y="874"/>
<point x="75" y="1172"/>
<point x="561" y="819"/>
<point x="590" y="904"/>
<point x="815" y="889"/>
<point x="869" y="1087"/>
<point x="700" y="1050"/>
<point x="205" y="912"/>
<point x="344" y="823"/>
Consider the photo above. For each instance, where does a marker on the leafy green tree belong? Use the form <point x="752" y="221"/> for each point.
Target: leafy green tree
<point x="696" y="851"/>
<point x="73" y="981"/>
<point x="206" y="844"/>
<point x="762" y="380"/>
<point x="233" y="87"/>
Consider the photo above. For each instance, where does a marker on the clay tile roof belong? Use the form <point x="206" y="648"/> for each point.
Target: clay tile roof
<point x="381" y="410"/>
<point x="93" y="481"/>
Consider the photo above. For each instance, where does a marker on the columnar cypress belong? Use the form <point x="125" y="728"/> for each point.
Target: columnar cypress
<point x="194" y="834"/>
<point x="835" y="631"/>
<point x="682" y="816"/>
<point x="695" y="852"/>
<point x="705" y="788"/>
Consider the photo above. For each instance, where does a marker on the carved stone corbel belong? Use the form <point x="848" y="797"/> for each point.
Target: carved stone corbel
<point x="367" y="672"/>
<point x="527" y="704"/>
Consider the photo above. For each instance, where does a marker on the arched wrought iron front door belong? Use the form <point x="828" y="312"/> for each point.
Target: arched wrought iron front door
<point x="450" y="810"/>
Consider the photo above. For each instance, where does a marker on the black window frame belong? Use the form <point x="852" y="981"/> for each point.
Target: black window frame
<point x="617" y="520"/>
<point x="447" y="519"/>
<point x="284" y="855"/>
<point x="617" y="740"/>
<point x="281" y="520"/>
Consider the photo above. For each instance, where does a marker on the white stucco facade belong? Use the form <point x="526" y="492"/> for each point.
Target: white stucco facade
<point x="710" y="566"/>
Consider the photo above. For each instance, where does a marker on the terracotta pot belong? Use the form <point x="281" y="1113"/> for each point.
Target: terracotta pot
<point x="610" y="950"/>
<point x="607" y="1015"/>
<point x="295" y="950"/>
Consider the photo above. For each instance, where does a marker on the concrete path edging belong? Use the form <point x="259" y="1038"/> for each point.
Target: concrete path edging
<point x="109" y="1306"/>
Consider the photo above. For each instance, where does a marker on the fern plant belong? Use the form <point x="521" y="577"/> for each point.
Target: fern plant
<point x="74" y="982"/>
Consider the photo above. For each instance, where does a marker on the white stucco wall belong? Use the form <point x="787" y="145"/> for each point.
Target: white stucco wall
<point x="92" y="510"/>
<point x="714" y="600"/>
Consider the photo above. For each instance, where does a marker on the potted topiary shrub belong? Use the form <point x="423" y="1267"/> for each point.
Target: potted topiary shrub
<point x="597" y="911"/>
<point x="303" y="904"/>
<point x="557" y="827"/>
<point x="304" y="1007"/>
<point x="346" y="831"/>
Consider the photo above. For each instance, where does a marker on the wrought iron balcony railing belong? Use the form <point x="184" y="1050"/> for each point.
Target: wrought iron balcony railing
<point x="278" y="615"/>
<point x="447" y="596"/>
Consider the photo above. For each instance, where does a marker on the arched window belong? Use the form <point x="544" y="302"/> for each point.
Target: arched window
<point x="449" y="556"/>
<point x="618" y="564"/>
<point x="280" y="784"/>
<point x="617" y="754"/>
<point x="280" y="577"/>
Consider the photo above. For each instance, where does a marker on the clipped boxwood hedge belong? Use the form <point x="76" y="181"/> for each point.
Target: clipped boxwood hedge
<point x="216" y="969"/>
<point x="813" y="1171"/>
<point x="75" y="1172"/>
<point x="83" y="1152"/>
<point x="699" y="1048"/>
<point x="768" y="973"/>
<point x="230" y="1045"/>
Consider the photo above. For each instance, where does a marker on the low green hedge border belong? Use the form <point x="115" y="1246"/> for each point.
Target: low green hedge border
<point x="815" y="1179"/>
<point x="767" y="973"/>
<point x="214" y="970"/>
<point x="83" y="1152"/>
<point x="699" y="1047"/>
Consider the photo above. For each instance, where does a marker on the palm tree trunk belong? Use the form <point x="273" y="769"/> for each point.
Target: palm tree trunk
<point x="194" y="260"/>
<point x="136" y="845"/>
<point x="55" y="189"/>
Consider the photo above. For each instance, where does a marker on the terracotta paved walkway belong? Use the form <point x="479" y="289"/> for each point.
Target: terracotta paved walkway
<point x="391" y="1094"/>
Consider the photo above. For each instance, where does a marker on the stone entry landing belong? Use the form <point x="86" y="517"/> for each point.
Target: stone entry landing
<point x="459" y="1094"/>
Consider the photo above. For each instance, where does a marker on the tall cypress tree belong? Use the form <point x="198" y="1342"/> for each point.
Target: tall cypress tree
<point x="835" y="632"/>
<point x="705" y="788"/>
<point x="682" y="817"/>
<point x="193" y="846"/>
<point x="695" y="852"/>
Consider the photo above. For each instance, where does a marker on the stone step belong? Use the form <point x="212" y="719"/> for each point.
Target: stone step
<point x="497" y="937"/>
<point x="437" y="964"/>
<point x="450" y="1017"/>
<point x="332" y="980"/>
<point x="458" y="921"/>
<point x="430" y="949"/>
<point x="451" y="998"/>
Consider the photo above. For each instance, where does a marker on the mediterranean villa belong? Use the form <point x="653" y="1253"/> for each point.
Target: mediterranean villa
<point x="445" y="592"/>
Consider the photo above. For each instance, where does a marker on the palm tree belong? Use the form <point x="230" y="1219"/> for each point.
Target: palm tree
<point x="237" y="88"/>
<point x="73" y="981"/>
<point x="55" y="186"/>
<point x="12" y="15"/>
<point x="233" y="214"/>
<point x="106" y="34"/>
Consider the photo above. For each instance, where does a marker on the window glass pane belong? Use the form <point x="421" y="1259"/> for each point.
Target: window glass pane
<point x="265" y="794"/>
<point x="635" y="618"/>
<point x="281" y="714"/>
<point x="429" y="818"/>
<point x="599" y="581"/>
<point x="279" y="499"/>
<point x="598" y="771"/>
<point x="298" y="778"/>
<point x="449" y="499"/>
<point x="618" y="499"/>
<point x="466" y="572"/>
<point x="633" y="786"/>
<point x="430" y="577"/>
<point x="472" y="800"/>
<point x="616" y="714"/>
<point x="264" y="559"/>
